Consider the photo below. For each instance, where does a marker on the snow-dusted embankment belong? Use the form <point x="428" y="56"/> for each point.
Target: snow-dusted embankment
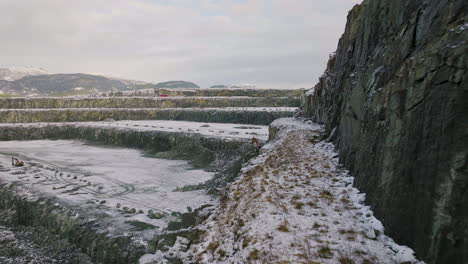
<point x="245" y="115"/>
<point x="294" y="203"/>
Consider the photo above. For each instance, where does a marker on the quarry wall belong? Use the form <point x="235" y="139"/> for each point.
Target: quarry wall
<point x="257" y="117"/>
<point x="394" y="99"/>
<point x="147" y="102"/>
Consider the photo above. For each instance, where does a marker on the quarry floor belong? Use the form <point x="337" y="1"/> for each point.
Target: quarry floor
<point x="108" y="177"/>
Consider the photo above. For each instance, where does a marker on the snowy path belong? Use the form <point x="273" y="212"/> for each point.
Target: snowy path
<point x="295" y="204"/>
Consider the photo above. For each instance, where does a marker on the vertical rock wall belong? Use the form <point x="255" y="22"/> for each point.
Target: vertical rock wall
<point x="394" y="99"/>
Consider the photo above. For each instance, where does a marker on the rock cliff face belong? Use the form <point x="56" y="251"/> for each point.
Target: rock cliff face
<point x="394" y="100"/>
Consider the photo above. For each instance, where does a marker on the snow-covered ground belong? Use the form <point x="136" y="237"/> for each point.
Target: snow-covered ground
<point x="295" y="203"/>
<point x="118" y="181"/>
<point x="228" y="131"/>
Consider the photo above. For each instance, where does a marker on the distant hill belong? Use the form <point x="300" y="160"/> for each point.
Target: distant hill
<point x="243" y="86"/>
<point x="125" y="81"/>
<point x="176" y="84"/>
<point x="219" y="86"/>
<point x="63" y="84"/>
<point x="33" y="81"/>
<point x="18" y="72"/>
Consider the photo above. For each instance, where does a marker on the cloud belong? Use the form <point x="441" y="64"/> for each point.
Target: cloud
<point x="266" y="42"/>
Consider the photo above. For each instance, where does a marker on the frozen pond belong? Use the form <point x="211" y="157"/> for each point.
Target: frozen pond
<point x="108" y="178"/>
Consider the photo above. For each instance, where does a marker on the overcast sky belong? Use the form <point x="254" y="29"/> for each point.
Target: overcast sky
<point x="275" y="43"/>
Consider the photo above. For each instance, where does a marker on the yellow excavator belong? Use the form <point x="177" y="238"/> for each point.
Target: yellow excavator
<point x="16" y="162"/>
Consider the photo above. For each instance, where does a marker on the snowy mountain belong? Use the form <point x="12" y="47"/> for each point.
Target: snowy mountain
<point x="17" y="72"/>
<point x="32" y="81"/>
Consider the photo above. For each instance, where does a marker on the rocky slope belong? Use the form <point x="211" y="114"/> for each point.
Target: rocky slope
<point x="394" y="100"/>
<point x="20" y="244"/>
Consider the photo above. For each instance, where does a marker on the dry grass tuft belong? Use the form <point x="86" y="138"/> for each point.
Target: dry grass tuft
<point x="325" y="194"/>
<point x="325" y="252"/>
<point x="254" y="255"/>
<point x="346" y="260"/>
<point x="283" y="227"/>
<point x="246" y="242"/>
<point x="345" y="200"/>
<point x="298" y="205"/>
<point x="213" y="246"/>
